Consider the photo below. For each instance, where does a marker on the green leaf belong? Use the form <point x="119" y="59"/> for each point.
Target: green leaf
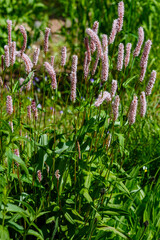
<point x="69" y="218"/>
<point x="123" y="188"/>
<point x="88" y="180"/>
<point x="44" y="140"/>
<point x="55" y="229"/>
<point x="125" y="84"/>
<point x="63" y="182"/>
<point x="114" y="230"/>
<point x="4" y="234"/>
<point x="15" y="226"/>
<point x="85" y="193"/>
<point x="64" y="147"/>
<point x="28" y="78"/>
<point x="34" y="233"/>
<point x="14" y="208"/>
<point x="28" y="206"/>
<point x="11" y="156"/>
<point x="39" y="5"/>
<point x="41" y="214"/>
<point x="77" y="214"/>
<point x="15" y="87"/>
<point x="50" y="220"/>
<point x="121" y="142"/>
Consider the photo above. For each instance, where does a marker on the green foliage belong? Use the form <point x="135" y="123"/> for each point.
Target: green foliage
<point x="109" y="185"/>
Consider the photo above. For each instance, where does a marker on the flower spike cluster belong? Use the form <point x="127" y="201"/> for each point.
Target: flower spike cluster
<point x="96" y="40"/>
<point x="95" y="29"/>
<point x="127" y="57"/>
<point x="9" y="27"/>
<point x="139" y="43"/>
<point x="47" y="33"/>
<point x="113" y="31"/>
<point x="120" y="57"/>
<point x="63" y="56"/>
<point x="73" y="77"/>
<point x="133" y="111"/>
<point x="120" y="16"/>
<point x="143" y="104"/>
<point x="7" y="58"/>
<point x="35" y="56"/>
<point x="9" y="105"/>
<point x="24" y="33"/>
<point x="115" y="107"/>
<point x="52" y="74"/>
<point x="103" y="96"/>
<point x="151" y="82"/>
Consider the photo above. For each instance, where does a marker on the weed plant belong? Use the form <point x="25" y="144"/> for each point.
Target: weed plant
<point x="76" y="152"/>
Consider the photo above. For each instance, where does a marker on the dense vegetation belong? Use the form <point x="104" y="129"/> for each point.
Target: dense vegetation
<point x="78" y="158"/>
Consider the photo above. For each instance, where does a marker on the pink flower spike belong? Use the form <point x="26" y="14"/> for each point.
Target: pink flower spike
<point x="127" y="57"/>
<point x="143" y="104"/>
<point x="27" y="61"/>
<point x="9" y="105"/>
<point x="120" y="15"/>
<point x="142" y="74"/>
<point x="105" y="67"/>
<point x="96" y="40"/>
<point x="33" y="106"/>
<point x="115" y="107"/>
<point x="95" y="29"/>
<point x="63" y="56"/>
<point x="52" y="74"/>
<point x="105" y="43"/>
<point x="102" y="96"/>
<point x="47" y="32"/>
<point x="113" y="88"/>
<point x="24" y="33"/>
<point x="139" y="43"/>
<point x="7" y="59"/>
<point x="13" y="53"/>
<point x="151" y="82"/>
<point x="132" y="111"/>
<point x="144" y="58"/>
<point x="113" y="32"/>
<point x="120" y="57"/>
<point x="57" y="175"/>
<point x="73" y="78"/>
<point x="9" y="27"/>
<point x="74" y="63"/>
<point x="35" y="56"/>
